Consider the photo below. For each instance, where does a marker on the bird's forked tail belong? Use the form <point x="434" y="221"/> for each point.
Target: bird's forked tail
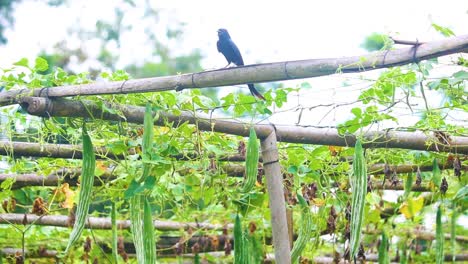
<point x="254" y="92"/>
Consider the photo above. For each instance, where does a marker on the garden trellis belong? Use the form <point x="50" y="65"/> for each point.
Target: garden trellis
<point x="48" y="102"/>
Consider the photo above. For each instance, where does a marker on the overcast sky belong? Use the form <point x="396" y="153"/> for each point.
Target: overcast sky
<point x="265" y="31"/>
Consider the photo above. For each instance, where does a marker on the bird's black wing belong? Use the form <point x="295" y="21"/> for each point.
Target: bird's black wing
<point x="223" y="47"/>
<point x="237" y="57"/>
<point x="230" y="51"/>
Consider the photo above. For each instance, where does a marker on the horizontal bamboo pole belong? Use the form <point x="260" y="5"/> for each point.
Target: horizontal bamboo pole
<point x="167" y="244"/>
<point x="30" y="149"/>
<point x="99" y="222"/>
<point x="407" y="168"/>
<point x="268" y="72"/>
<point x="420" y="234"/>
<point x="71" y="177"/>
<point x="50" y="253"/>
<point x="374" y="258"/>
<point x="294" y="134"/>
<point x="69" y="151"/>
<point x="105" y="224"/>
<point x="53" y="179"/>
<point x="66" y="151"/>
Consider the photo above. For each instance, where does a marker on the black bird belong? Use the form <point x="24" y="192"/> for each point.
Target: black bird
<point x="229" y="49"/>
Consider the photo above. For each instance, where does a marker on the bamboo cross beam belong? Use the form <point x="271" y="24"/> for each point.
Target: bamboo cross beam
<point x="66" y="151"/>
<point x="71" y="177"/>
<point x="256" y="73"/>
<point x="70" y="151"/>
<point x="101" y="223"/>
<point x="285" y="133"/>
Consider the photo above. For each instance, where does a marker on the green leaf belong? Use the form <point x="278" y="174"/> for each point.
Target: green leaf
<point x="462" y="194"/>
<point x="446" y="32"/>
<point x="250" y="202"/>
<point x="41" y="65"/>
<point x="462" y="75"/>
<point x="357" y="111"/>
<point x="292" y="169"/>
<point x="23" y="62"/>
<point x="132" y="189"/>
<point x="136" y="188"/>
<point x="377" y="41"/>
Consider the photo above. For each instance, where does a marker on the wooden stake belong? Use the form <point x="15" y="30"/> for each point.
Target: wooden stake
<point x="274" y="181"/>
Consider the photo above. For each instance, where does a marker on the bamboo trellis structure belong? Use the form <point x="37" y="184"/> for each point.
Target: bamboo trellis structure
<point x="50" y="105"/>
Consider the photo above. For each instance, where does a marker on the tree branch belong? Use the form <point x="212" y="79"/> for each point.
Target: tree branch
<point x="267" y="72"/>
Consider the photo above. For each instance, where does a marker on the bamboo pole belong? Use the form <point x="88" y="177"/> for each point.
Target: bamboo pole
<point x="69" y="151"/>
<point x="43" y="252"/>
<point x="374" y="258"/>
<point x="256" y="73"/>
<point x="105" y="224"/>
<point x="66" y="151"/>
<point x="100" y="222"/>
<point x="274" y="181"/>
<point x="71" y="177"/>
<point x="294" y="134"/>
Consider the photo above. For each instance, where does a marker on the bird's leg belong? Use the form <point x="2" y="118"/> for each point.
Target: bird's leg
<point x="230" y="65"/>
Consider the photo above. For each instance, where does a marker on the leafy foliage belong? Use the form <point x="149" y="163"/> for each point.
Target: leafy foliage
<point x="377" y="41"/>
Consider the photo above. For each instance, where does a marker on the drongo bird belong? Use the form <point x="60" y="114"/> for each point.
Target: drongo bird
<point x="229" y="49"/>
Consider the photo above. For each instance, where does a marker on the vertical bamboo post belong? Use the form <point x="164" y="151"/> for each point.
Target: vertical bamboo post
<point x="274" y="181"/>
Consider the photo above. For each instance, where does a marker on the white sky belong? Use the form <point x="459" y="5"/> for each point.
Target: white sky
<point x="265" y="31"/>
